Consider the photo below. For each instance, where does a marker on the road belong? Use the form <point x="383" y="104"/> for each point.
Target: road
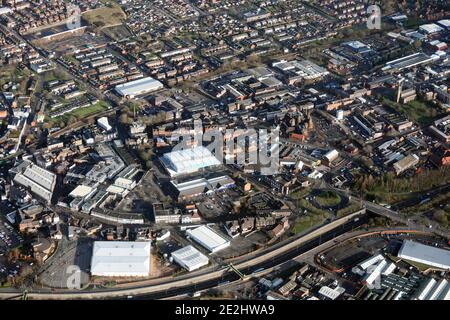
<point x="267" y="260"/>
<point x="395" y="215"/>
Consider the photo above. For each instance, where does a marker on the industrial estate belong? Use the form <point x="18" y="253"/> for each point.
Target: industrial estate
<point x="225" y="149"/>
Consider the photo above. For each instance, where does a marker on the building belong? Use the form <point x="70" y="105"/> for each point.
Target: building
<point x="331" y="293"/>
<point x="406" y="62"/>
<point x="104" y="124"/>
<point x="406" y="163"/>
<point x="121" y="259"/>
<point x="39" y="181"/>
<point x="300" y="70"/>
<point x="208" y="238"/>
<point x="188" y="160"/>
<point x="430" y="28"/>
<point x="190" y="258"/>
<point x="138" y="87"/>
<point x="417" y="252"/>
<point x="165" y="215"/>
<point x="199" y="186"/>
<point x="433" y="290"/>
<point x="330" y="156"/>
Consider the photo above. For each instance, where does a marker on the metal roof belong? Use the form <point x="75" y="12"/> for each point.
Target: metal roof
<point x="208" y="238"/>
<point x="428" y="255"/>
<point x="121" y="258"/>
<point x="190" y="258"/>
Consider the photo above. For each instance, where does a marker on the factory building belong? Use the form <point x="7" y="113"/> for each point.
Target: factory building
<point x="406" y="163"/>
<point x="188" y="161"/>
<point x="431" y="256"/>
<point x="190" y="258"/>
<point x="121" y="259"/>
<point x="199" y="186"/>
<point x="39" y="181"/>
<point x="208" y="238"/>
<point x="138" y="87"/>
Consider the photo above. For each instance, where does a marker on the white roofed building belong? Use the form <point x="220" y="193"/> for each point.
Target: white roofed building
<point x="104" y="124"/>
<point x="41" y="182"/>
<point x="138" y="87"/>
<point x="208" y="238"/>
<point x="190" y="258"/>
<point x="417" y="252"/>
<point x="188" y="160"/>
<point x="121" y="259"/>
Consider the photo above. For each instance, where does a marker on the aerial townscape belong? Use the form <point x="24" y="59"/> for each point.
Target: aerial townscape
<point x="225" y="149"/>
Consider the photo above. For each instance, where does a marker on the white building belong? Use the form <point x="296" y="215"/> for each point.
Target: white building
<point x="121" y="259"/>
<point x="104" y="124"/>
<point x="125" y="183"/>
<point x="208" y="238"/>
<point x="188" y="160"/>
<point x="417" y="252"/>
<point x="138" y="87"/>
<point x="190" y="258"/>
<point x="331" y="293"/>
<point x="41" y="182"/>
<point x="430" y="28"/>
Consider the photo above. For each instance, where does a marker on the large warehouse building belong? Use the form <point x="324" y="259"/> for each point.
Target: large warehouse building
<point x="138" y="87"/>
<point x="39" y="181"/>
<point x="208" y="238"/>
<point x="417" y="252"/>
<point x="188" y="160"/>
<point x="121" y="259"/>
<point x="190" y="258"/>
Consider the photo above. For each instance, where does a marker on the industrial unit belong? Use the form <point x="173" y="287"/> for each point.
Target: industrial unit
<point x="121" y="259"/>
<point x="188" y="160"/>
<point x="208" y="238"/>
<point x="138" y="87"/>
<point x="428" y="255"/>
<point x="190" y="258"/>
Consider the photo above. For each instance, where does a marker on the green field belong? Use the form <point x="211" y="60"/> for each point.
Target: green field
<point x="308" y="221"/>
<point x="328" y="199"/>
<point x="81" y="113"/>
<point x="418" y="111"/>
<point x="105" y="16"/>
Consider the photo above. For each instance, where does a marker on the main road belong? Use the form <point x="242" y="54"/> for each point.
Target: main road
<point x="191" y="283"/>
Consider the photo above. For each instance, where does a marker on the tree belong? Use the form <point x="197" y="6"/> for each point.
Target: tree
<point x="441" y="217"/>
<point x="123" y="119"/>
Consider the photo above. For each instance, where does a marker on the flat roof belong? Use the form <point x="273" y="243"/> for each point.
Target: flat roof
<point x="120" y="258"/>
<point x="190" y="258"/>
<point x="115" y="189"/>
<point x="188" y="160"/>
<point x="208" y="238"/>
<point x="139" y="86"/>
<point x="428" y="255"/>
<point x="80" y="191"/>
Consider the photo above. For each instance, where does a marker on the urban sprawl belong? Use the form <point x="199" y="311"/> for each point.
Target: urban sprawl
<point x="107" y="191"/>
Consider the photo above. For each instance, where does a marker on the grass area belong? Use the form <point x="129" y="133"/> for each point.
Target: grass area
<point x="391" y="189"/>
<point x="82" y="112"/>
<point x="420" y="266"/>
<point x="106" y="16"/>
<point x="413" y="22"/>
<point x="328" y="199"/>
<point x="313" y="217"/>
<point x="348" y="210"/>
<point x="300" y="193"/>
<point x="309" y="221"/>
<point x="419" y="111"/>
